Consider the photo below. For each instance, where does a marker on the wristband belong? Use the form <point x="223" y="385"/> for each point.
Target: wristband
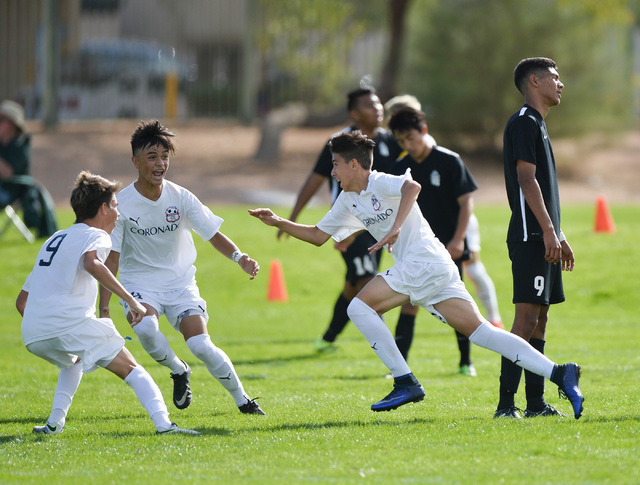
<point x="237" y="256"/>
<point x="562" y="237"/>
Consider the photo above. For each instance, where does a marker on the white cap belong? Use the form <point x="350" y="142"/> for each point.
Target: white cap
<point x="14" y="112"/>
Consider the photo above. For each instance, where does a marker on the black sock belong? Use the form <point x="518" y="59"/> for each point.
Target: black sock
<point x="404" y="333"/>
<point x="339" y="319"/>
<point x="510" y="375"/>
<point x="465" y="348"/>
<point x="534" y="384"/>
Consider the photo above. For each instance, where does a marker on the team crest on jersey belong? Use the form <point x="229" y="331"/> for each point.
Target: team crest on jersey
<point x="375" y="203"/>
<point x="435" y="179"/>
<point x="172" y="214"/>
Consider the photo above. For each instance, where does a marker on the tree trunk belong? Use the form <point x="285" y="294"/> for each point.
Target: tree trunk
<point x="397" y="15"/>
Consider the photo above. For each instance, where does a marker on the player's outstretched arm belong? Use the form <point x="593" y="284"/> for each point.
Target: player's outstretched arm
<point x="106" y="278"/>
<point x="310" y="234"/>
<point x="309" y="188"/>
<point x="228" y="248"/>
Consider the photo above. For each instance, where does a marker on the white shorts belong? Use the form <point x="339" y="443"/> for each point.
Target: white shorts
<point x="175" y="305"/>
<point x="473" y="234"/>
<point x="427" y="284"/>
<point x="95" y="341"/>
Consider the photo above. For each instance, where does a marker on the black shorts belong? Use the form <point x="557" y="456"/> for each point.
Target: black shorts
<point x="360" y="263"/>
<point x="534" y="279"/>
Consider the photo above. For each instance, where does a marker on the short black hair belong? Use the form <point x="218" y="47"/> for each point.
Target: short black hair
<point x="405" y="119"/>
<point x="527" y="67"/>
<point x="151" y="133"/>
<point x="354" y="96"/>
<point x="353" y="144"/>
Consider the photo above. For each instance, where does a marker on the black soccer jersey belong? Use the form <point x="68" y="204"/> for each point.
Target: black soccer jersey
<point x="526" y="138"/>
<point x="444" y="177"/>
<point x="384" y="154"/>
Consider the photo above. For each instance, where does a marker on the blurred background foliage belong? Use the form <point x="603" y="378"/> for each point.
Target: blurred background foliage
<point x="461" y="55"/>
<point x="248" y="59"/>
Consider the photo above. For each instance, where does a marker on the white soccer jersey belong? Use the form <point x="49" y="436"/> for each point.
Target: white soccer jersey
<point x="61" y="293"/>
<point x="154" y="237"/>
<point x="374" y="209"/>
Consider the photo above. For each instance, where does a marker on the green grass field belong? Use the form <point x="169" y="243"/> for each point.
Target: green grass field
<point x="319" y="427"/>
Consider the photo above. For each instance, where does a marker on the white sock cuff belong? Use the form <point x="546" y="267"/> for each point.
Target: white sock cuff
<point x="483" y="334"/>
<point x="148" y="326"/>
<point x="359" y="308"/>
<point x="197" y="343"/>
<point x="476" y="270"/>
<point x="135" y="372"/>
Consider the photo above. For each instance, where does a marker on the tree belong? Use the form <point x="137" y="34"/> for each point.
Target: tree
<point x="462" y="54"/>
<point x="397" y="14"/>
<point x="305" y="49"/>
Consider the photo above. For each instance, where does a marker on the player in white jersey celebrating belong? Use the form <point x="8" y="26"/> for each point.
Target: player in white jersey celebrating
<point x="423" y="274"/>
<point x="58" y="302"/>
<point x="153" y="249"/>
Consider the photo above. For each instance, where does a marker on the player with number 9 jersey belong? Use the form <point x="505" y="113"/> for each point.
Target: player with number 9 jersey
<point x="62" y="294"/>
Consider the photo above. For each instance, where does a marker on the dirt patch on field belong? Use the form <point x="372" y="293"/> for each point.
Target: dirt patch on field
<point x="215" y="161"/>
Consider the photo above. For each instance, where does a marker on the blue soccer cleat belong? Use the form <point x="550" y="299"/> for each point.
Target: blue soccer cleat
<point x="399" y="396"/>
<point x="567" y="376"/>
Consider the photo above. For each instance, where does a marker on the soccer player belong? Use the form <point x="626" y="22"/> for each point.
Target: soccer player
<point x="446" y="202"/>
<point x="367" y="114"/>
<point x="473" y="267"/>
<point x="154" y="251"/>
<point x="538" y="249"/>
<point x="423" y="274"/>
<point x="58" y="302"/>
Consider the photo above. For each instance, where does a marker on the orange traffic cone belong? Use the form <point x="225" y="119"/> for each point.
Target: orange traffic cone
<point x="277" y="290"/>
<point x="604" y="220"/>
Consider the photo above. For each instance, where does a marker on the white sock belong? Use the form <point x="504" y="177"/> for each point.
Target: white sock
<point x="150" y="397"/>
<point x="485" y="289"/>
<point x="514" y="348"/>
<point x="157" y="345"/>
<point x="219" y="366"/>
<point x="68" y="382"/>
<point x="378" y="335"/>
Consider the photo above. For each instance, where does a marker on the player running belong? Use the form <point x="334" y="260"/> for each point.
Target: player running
<point x="424" y="273"/>
<point x="154" y="251"/>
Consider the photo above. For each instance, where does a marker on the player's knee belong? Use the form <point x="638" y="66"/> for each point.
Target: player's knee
<point x="358" y="308"/>
<point x="147" y="327"/>
<point x="482" y="335"/>
<point x="200" y="345"/>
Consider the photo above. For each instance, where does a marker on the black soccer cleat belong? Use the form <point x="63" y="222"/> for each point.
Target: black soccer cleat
<point x="251" y="407"/>
<point x="510" y="412"/>
<point x="548" y="410"/>
<point x="181" y="388"/>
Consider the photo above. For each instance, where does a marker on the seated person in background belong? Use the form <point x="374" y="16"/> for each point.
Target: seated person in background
<point x="14" y="150"/>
